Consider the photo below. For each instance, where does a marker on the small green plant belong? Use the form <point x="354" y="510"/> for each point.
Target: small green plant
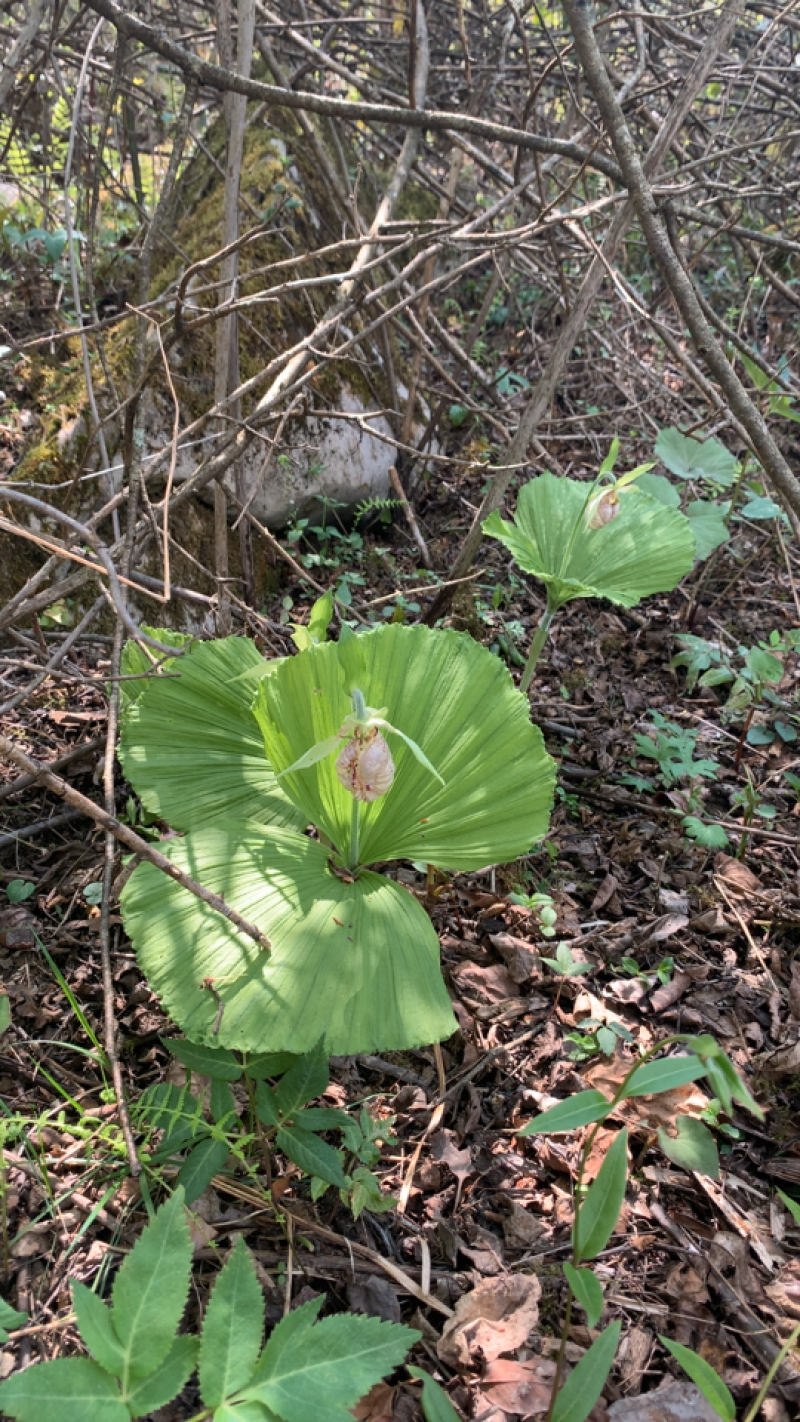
<point x="661" y="974"/>
<point x="18" y="890"/>
<point x="605" y="539"/>
<point x="750" y="674"/>
<point x="352" y="956"/>
<point x="595" y="1037"/>
<point x="285" y="1122"/>
<point x="696" y="462"/>
<point x="544" y="908"/>
<point x="139" y="1361"/>
<point x="673" y="747"/>
<point x="597" y="1208"/>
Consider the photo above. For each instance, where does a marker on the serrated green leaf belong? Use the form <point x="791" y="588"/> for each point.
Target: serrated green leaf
<point x="435" y="1403"/>
<point x="221" y="1104"/>
<point x="313" y="1155"/>
<point x="664" y="1075"/>
<point x="151" y="1288"/>
<point x="69" y="1389"/>
<point x="259" y="1065"/>
<point x="97" y="1330"/>
<point x="216" y="1062"/>
<point x="585" y="1384"/>
<point x="266" y="1104"/>
<point x="175" y="1111"/>
<point x="693" y="1148"/>
<point x="582" y="1109"/>
<point x="325" y="1118"/>
<point x="201" y="1165"/>
<point x="321" y="1370"/>
<point x="705" y="1377"/>
<point x="588" y="1291"/>
<point x="599" y="1211"/>
<point x="10" y="1318"/>
<point x="232" y="1329"/>
<point x="245" y="1412"/>
<point x="711" y="836"/>
<point x="306" y="1079"/>
<point x="160" y="1386"/>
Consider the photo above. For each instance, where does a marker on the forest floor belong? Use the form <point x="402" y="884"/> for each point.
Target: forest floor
<point x="680" y="936"/>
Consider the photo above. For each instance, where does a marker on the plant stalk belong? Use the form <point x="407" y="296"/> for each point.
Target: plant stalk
<point x="539" y="639"/>
<point x="354" y="827"/>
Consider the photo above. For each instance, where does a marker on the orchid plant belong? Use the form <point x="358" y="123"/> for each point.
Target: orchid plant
<point x="280" y="777"/>
<point x="605" y="539"/>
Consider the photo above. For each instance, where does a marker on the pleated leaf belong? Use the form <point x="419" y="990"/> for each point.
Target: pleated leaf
<point x="354" y="963"/>
<point x="647" y="548"/>
<point x="190" y="745"/>
<point x="458" y="703"/>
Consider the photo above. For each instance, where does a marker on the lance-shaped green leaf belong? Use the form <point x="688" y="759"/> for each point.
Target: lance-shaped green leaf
<point x="647" y="548"/>
<point x="190" y="745"/>
<point x="580" y="1110"/>
<point x="459" y="704"/>
<point x="70" y="1389"/>
<point x="705" y="1377"/>
<point x="355" y="963"/>
<point x="232" y="1329"/>
<point x="693" y="1148"/>
<point x="586" y="1287"/>
<point x="596" y="1220"/>
<point x="585" y="1384"/>
<point x="150" y="1291"/>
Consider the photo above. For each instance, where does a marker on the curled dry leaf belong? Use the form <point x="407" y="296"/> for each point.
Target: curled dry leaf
<point x="654" y="1111"/>
<point x="784" y="1290"/>
<point x="523" y="1389"/>
<point x="735" y="875"/>
<point x="495" y="1318"/>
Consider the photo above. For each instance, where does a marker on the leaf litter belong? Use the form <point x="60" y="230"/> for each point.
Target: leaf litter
<point x="488" y="1213"/>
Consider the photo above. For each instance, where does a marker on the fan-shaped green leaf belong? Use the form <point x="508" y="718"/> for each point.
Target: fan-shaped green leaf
<point x="708" y="525"/>
<point x="191" y="747"/>
<point x="647" y="548"/>
<point x="354" y="962"/>
<point x="136" y="664"/>
<point x="459" y="704"/>
<point x="695" y="459"/>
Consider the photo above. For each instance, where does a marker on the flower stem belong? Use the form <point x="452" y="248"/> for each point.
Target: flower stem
<point x="354" y="824"/>
<point x="539" y="639"/>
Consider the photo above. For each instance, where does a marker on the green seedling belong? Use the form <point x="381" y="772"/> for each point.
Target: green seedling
<point x="662" y="974"/>
<point x="542" y="905"/>
<point x="597" y="1208"/>
<point x="219" y="747"/>
<point x="606" y="539"/>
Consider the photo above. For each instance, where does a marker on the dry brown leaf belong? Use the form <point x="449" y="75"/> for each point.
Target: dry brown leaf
<point x="495" y="1318"/>
<point x="794" y="991"/>
<point x="521" y="959"/>
<point x="520" y="1227"/>
<point x="523" y="1389"/>
<point x="736" y="876"/>
<point x="493" y="984"/>
<point x="604" y="894"/>
<point x="670" y="992"/>
<point x="634" y="1351"/>
<point x="680" y="1402"/>
<point x="377" y="1405"/>
<point x="784" y="1290"/>
<point x="655" y="1111"/>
